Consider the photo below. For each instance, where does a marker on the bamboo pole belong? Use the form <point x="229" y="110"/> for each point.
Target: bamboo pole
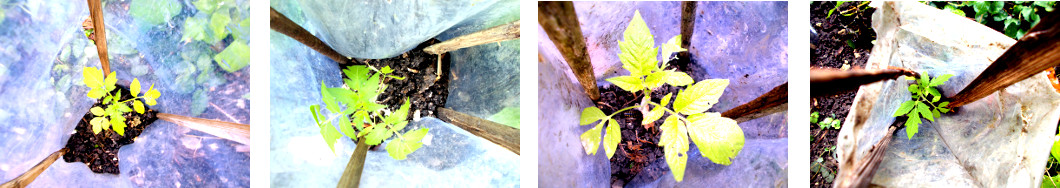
<point x="351" y="177"/>
<point x="831" y="81"/>
<point x="227" y="130"/>
<point x="865" y="169"/>
<point x="774" y="101"/>
<point x="561" y="23"/>
<point x="1037" y="51"/>
<point x="30" y="175"/>
<point x="95" y="9"/>
<point x="498" y="33"/>
<point x="688" y="24"/>
<point x="507" y="137"/>
<point x="280" y="23"/>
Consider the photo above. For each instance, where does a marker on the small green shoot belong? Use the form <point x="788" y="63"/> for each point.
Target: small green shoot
<point x="110" y="115"/>
<point x="924" y="103"/>
<point x="718" y="138"/>
<point x="368" y="118"/>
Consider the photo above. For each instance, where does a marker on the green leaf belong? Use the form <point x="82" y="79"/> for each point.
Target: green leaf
<point x="914" y="89"/>
<point x="386" y="70"/>
<point x="409" y="142"/>
<point x="96" y="111"/>
<point x="592" y="114"/>
<point x="700" y="96"/>
<point x="138" y="106"/>
<point x="194" y="29"/>
<point x="399" y="115"/>
<point x="924" y="111"/>
<point x="674" y="140"/>
<point x="944" y="110"/>
<point x="671" y="46"/>
<point x="655" y="79"/>
<point x="377" y="135"/>
<point x="234" y="57"/>
<point x="329" y="100"/>
<point x="675" y="78"/>
<point x="97" y="124"/>
<point x="154" y="12"/>
<point x="628" y="83"/>
<point x="591" y="139"/>
<point x="118" y="123"/>
<point x="151" y="95"/>
<point x="653" y="114"/>
<point x="718" y="138"/>
<point x="637" y="53"/>
<point x="940" y="80"/>
<point x="611" y="138"/>
<point x="508" y="116"/>
<point x="134" y="87"/>
<point x="122" y="107"/>
<point x="218" y="22"/>
<point x="1055" y="151"/>
<point x="206" y="6"/>
<point x="330" y="135"/>
<point x="936" y="113"/>
<point x="666" y="100"/>
<point x="912" y="125"/>
<point x="814" y="116"/>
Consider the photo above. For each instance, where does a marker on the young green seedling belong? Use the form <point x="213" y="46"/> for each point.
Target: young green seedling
<point x="359" y="102"/>
<point x="719" y="138"/>
<point x="110" y="115"/>
<point x="924" y="103"/>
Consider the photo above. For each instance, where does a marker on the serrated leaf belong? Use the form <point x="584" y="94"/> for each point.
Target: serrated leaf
<point x="940" y="80"/>
<point x="592" y="114"/>
<point x="96" y="111"/>
<point x="346" y="126"/>
<point x="924" y="111"/>
<point x="154" y="12"/>
<point x="674" y="140"/>
<point x="110" y="81"/>
<point x="234" y="57"/>
<point x="638" y="55"/>
<point x="401" y="114"/>
<point x="152" y="95"/>
<point x="591" y="139"/>
<point x="944" y="104"/>
<point x="904" y="109"/>
<point x="121" y="107"/>
<point x="675" y="78"/>
<point x="377" y="135"/>
<point x="134" y="87"/>
<point x="118" y="125"/>
<point x="912" y="125"/>
<point x="92" y="77"/>
<point x="655" y="79"/>
<point x="671" y="46"/>
<point x="718" y="138"/>
<point x="700" y="96"/>
<point x="914" y="89"/>
<point x="409" y="142"/>
<point x="611" y="138"/>
<point x="628" y="83"/>
<point x="330" y="135"/>
<point x="97" y="124"/>
<point x="329" y="100"/>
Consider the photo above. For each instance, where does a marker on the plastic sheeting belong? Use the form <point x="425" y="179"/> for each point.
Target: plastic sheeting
<point x="1001" y="140"/>
<point x="485" y="80"/>
<point x="40" y="80"/>
<point x="745" y="42"/>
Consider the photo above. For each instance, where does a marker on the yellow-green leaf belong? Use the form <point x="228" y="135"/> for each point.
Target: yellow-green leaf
<point x="330" y="135"/>
<point x="653" y="114"/>
<point x="675" y="78"/>
<point x="718" y="138"/>
<point x="655" y="79"/>
<point x="377" y="135"/>
<point x="134" y="87"/>
<point x="151" y="95"/>
<point x="638" y="54"/>
<point x="700" y="96"/>
<point x="912" y="124"/>
<point x="924" y="111"/>
<point x="93" y="78"/>
<point x="904" y="109"/>
<point x="110" y="81"/>
<point x="628" y="83"/>
<point x="591" y="139"/>
<point x="97" y="124"/>
<point x="118" y="124"/>
<point x="138" y="106"/>
<point x="611" y="138"/>
<point x="591" y="114"/>
<point x="671" y="46"/>
<point x="666" y="100"/>
<point x="409" y="142"/>
<point x="674" y="140"/>
<point x="96" y="111"/>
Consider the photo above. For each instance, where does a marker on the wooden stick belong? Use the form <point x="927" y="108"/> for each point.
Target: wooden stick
<point x="862" y="174"/>
<point x="688" y="24"/>
<point x="507" y="137"/>
<point x="1035" y="52"/>
<point x="351" y="177"/>
<point x="280" y="23"/>
<point x="95" y="9"/>
<point x="774" y="101"/>
<point x="30" y="175"/>
<point x="831" y="81"/>
<point x="561" y="23"/>
<point x="498" y="33"/>
<point x="227" y="130"/>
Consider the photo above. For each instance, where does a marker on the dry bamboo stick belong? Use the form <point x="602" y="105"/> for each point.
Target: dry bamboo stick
<point x="95" y="9"/>
<point x="774" y="101"/>
<point x="227" y="130"/>
<point x="351" y="177"/>
<point x="561" y="23"/>
<point x="507" y="137"/>
<point x="280" y="23"/>
<point x="498" y="33"/>
<point x="30" y="175"/>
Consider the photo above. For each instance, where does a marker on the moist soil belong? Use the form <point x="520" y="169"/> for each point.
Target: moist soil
<point x="842" y="40"/>
<point x="637" y="149"/>
<point x="422" y="85"/>
<point x="100" y="151"/>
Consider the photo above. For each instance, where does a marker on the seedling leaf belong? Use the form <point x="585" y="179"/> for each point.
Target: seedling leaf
<point x="134" y="87"/>
<point x="611" y="138"/>
<point x="674" y="140"/>
<point x="718" y="138"/>
<point x="409" y="142"/>
<point x="592" y="114"/>
<point x="700" y="96"/>
<point x="638" y="55"/>
<point x="628" y="83"/>
<point x="591" y="139"/>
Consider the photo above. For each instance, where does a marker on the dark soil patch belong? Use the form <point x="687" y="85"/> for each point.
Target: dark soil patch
<point x="638" y="147"/>
<point x="842" y="40"/>
<point x="100" y="151"/>
<point x="420" y="85"/>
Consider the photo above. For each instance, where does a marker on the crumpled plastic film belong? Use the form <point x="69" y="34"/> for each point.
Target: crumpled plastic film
<point x="745" y="42"/>
<point x="42" y="81"/>
<point x="485" y="78"/>
<point x="1001" y="140"/>
<point x="384" y="29"/>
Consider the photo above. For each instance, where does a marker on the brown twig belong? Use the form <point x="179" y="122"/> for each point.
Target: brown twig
<point x="688" y="24"/>
<point x="227" y="130"/>
<point x="503" y="135"/>
<point x="825" y="81"/>
<point x="771" y="102"/>
<point x="561" y="23"/>
<point x="30" y="175"/>
<point x="351" y="176"/>
<point x="95" y="9"/>
<point x="861" y="175"/>
<point x="280" y="23"/>
<point x="498" y="33"/>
